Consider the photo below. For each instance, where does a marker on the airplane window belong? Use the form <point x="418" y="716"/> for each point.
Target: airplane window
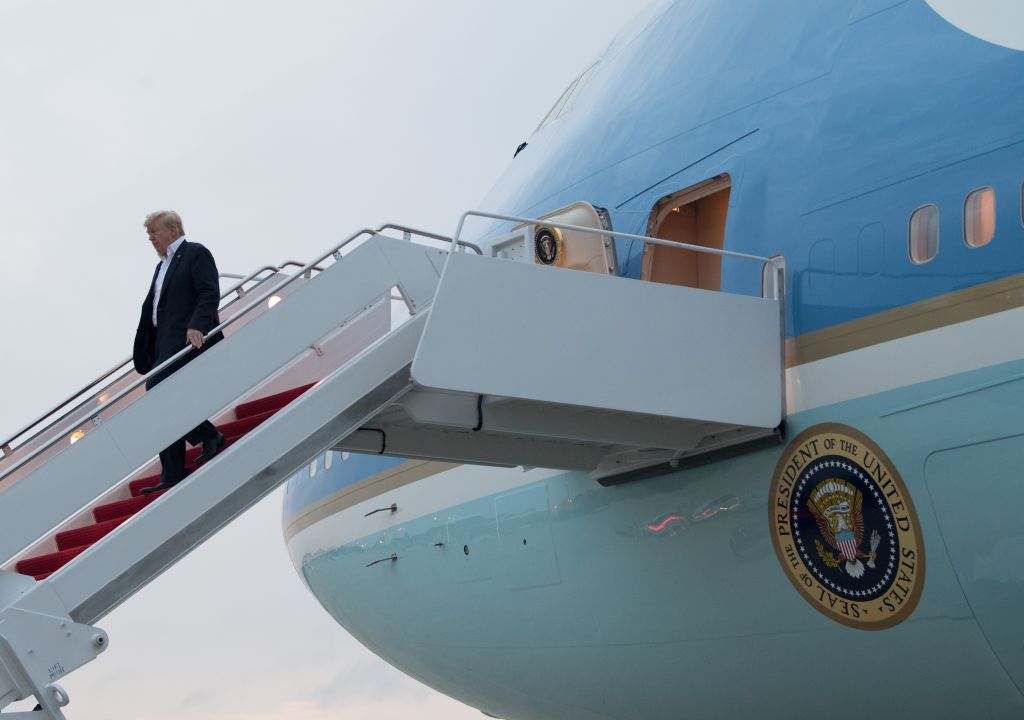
<point x="924" y="234"/>
<point x="567" y="98"/>
<point x="328" y="459"/>
<point x="557" y="108"/>
<point x="980" y="217"/>
<point x="312" y="469"/>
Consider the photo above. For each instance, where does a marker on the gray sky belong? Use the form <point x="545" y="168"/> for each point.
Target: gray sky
<point x="274" y="128"/>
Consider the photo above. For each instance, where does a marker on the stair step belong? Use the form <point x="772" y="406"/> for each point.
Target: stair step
<point x="110" y="515"/>
<point x="48" y="563"/>
<point x="238" y="428"/>
<point x="271" y="402"/>
<point x="135" y="486"/>
<point x="86" y="535"/>
<point x="232" y="431"/>
<point x="124" y="508"/>
<point x="192" y="453"/>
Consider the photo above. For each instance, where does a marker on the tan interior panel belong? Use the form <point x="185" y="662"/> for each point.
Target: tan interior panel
<point x="697" y="217"/>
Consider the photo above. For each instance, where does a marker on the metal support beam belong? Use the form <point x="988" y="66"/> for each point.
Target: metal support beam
<point x="480" y="448"/>
<point x="40" y="644"/>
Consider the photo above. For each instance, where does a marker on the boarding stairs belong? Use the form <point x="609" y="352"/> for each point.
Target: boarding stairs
<point x="495" y="364"/>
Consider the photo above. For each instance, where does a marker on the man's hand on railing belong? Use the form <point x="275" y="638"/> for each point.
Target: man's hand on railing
<point x="194" y="337"/>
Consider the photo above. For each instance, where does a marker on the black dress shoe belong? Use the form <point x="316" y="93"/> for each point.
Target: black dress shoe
<point x="162" y="485"/>
<point x="211" y="447"/>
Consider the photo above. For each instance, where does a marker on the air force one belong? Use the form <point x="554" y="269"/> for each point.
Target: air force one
<point x="717" y="410"/>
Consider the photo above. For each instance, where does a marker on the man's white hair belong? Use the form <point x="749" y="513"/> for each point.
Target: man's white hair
<point x="166" y="218"/>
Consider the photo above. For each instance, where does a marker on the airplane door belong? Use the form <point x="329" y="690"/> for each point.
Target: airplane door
<point x="977" y="493"/>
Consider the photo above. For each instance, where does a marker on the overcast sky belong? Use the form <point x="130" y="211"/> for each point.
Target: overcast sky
<point x="274" y="128"/>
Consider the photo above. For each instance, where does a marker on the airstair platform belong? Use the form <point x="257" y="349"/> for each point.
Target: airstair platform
<point x="500" y="362"/>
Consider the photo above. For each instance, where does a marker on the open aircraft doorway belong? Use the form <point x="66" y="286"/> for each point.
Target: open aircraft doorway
<point x="695" y="216"/>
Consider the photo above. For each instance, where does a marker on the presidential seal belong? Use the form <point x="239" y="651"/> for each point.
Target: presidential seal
<point x="548" y="241"/>
<point x="845" y="529"/>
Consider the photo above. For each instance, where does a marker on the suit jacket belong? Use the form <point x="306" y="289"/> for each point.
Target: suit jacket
<point x="189" y="298"/>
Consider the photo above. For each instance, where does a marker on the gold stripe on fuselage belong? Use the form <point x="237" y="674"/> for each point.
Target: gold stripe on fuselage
<point x="931" y="314"/>
<point x="366" y="489"/>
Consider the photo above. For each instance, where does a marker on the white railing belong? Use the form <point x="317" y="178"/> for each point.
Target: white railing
<point x="305" y="271"/>
<point x="776" y="287"/>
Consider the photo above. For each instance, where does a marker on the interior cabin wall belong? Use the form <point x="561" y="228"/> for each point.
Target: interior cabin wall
<point x="700" y="222"/>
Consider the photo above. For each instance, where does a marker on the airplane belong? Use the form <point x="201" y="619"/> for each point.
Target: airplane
<point x="867" y="562"/>
<point x="713" y="411"/>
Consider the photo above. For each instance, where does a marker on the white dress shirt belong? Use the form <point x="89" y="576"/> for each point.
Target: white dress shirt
<point x="159" y="282"/>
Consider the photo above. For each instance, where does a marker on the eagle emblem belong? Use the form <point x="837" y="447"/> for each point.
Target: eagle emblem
<point x="548" y="242"/>
<point x="844" y="528"/>
<point x="838" y="508"/>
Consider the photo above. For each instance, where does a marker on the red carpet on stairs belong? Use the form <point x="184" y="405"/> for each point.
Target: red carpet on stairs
<point x="123" y="509"/>
<point x="87" y="535"/>
<point x="272" y="402"/>
<point x="71" y="543"/>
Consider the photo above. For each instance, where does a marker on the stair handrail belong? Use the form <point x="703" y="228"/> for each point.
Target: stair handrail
<point x="764" y="261"/>
<point x="776" y="263"/>
<point x="238" y="288"/>
<point x="182" y="353"/>
<point x="295" y="263"/>
<point x="432" y="236"/>
<point x="5" y="445"/>
<point x="334" y="252"/>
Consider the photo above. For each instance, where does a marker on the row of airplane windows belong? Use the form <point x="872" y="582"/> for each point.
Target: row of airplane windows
<point x="979" y="225"/>
<point x="328" y="460"/>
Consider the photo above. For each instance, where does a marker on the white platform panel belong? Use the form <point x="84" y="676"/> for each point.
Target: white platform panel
<point x="503" y="328"/>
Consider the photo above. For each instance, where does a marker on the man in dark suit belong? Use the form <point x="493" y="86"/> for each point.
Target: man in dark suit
<point x="180" y="309"/>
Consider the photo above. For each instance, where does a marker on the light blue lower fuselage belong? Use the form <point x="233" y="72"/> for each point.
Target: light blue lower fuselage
<point x="646" y="599"/>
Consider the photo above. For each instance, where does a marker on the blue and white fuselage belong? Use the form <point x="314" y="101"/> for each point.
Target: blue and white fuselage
<point x="544" y="594"/>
